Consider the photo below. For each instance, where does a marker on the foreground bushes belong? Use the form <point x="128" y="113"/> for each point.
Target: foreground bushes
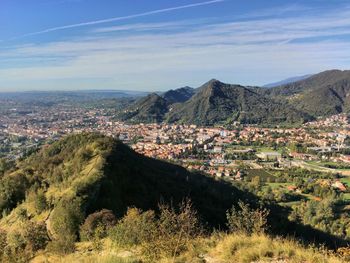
<point x="97" y="225"/>
<point x="20" y="245"/>
<point x="246" y="220"/>
<point x="167" y="235"/>
<point x="65" y="221"/>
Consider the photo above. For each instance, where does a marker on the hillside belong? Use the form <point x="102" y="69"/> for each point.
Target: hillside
<point x="330" y="89"/>
<point x="48" y="196"/>
<point x="178" y="95"/>
<point x="218" y="248"/>
<point x="217" y="102"/>
<point x="151" y="108"/>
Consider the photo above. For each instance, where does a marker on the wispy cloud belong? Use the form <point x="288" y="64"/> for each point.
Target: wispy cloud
<point x="120" y="18"/>
<point x="249" y="51"/>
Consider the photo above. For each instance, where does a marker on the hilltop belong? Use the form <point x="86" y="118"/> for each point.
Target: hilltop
<point x="217" y="102"/>
<point x="213" y="103"/>
<point x="50" y="197"/>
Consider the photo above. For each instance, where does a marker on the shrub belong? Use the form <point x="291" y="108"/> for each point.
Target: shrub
<point x="22" y="214"/>
<point x="134" y="228"/>
<point x="15" y="245"/>
<point x="3" y="242"/>
<point x="63" y="244"/>
<point x="174" y="233"/>
<point x="40" y="202"/>
<point x="66" y="218"/>
<point x="12" y="190"/>
<point x="247" y="220"/>
<point x="166" y="236"/>
<point x="35" y="236"/>
<point x="102" y="220"/>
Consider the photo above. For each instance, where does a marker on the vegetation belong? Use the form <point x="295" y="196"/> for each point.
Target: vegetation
<point x="91" y="189"/>
<point x="329" y="89"/>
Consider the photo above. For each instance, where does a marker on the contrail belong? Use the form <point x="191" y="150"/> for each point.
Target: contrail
<point x="96" y="22"/>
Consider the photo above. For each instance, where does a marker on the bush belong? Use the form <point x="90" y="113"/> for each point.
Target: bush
<point x="175" y="232"/>
<point x="166" y="236"/>
<point x="63" y="244"/>
<point x="40" y="202"/>
<point x="12" y="190"/>
<point x="3" y="242"/>
<point x="35" y="236"/>
<point x="102" y="220"/>
<point x="66" y="218"/>
<point x="247" y="220"/>
<point x="134" y="228"/>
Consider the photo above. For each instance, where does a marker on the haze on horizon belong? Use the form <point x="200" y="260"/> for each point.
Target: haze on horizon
<point x="158" y="45"/>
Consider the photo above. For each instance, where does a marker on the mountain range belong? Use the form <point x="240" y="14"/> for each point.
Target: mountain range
<point x="215" y="102"/>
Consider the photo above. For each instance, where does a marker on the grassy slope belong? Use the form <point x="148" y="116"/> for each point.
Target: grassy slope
<point x="218" y="248"/>
<point x="114" y="177"/>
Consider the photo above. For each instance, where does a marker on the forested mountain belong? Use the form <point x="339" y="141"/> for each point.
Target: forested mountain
<point x="322" y="94"/>
<point x="178" y="95"/>
<point x="217" y="102"/>
<point x="151" y="108"/>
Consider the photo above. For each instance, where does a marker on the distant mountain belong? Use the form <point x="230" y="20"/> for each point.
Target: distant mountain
<point x="151" y="108"/>
<point x="322" y="94"/>
<point x="179" y="95"/>
<point x="287" y="81"/>
<point x="217" y="102"/>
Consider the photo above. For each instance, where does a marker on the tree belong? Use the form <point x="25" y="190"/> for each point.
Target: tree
<point x="102" y="220"/>
<point x="247" y="220"/>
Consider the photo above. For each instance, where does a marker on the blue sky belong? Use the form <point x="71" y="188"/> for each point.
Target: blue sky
<point x="158" y="45"/>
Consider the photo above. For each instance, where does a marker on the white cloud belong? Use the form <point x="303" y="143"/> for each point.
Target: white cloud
<point x="146" y="57"/>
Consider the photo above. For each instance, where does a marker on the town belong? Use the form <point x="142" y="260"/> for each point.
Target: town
<point x="231" y="153"/>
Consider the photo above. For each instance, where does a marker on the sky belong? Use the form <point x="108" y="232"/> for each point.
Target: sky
<point x="163" y="44"/>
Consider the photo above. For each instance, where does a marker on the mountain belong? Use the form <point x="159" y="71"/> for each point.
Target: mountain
<point x="178" y="95"/>
<point x="104" y="173"/>
<point x="217" y="102"/>
<point x="151" y="108"/>
<point x="322" y="94"/>
<point x="287" y="81"/>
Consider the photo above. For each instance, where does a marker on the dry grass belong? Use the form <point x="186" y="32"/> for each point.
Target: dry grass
<point x="219" y="248"/>
<point x="261" y="248"/>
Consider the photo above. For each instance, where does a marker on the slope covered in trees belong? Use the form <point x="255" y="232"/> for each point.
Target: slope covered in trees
<point x="322" y="94"/>
<point x="217" y="102"/>
<point x="89" y="177"/>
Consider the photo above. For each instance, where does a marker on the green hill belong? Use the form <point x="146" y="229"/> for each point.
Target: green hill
<point x="45" y="200"/>
<point x="151" y="108"/>
<point x="178" y="95"/>
<point x="322" y="94"/>
<point x="217" y="102"/>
